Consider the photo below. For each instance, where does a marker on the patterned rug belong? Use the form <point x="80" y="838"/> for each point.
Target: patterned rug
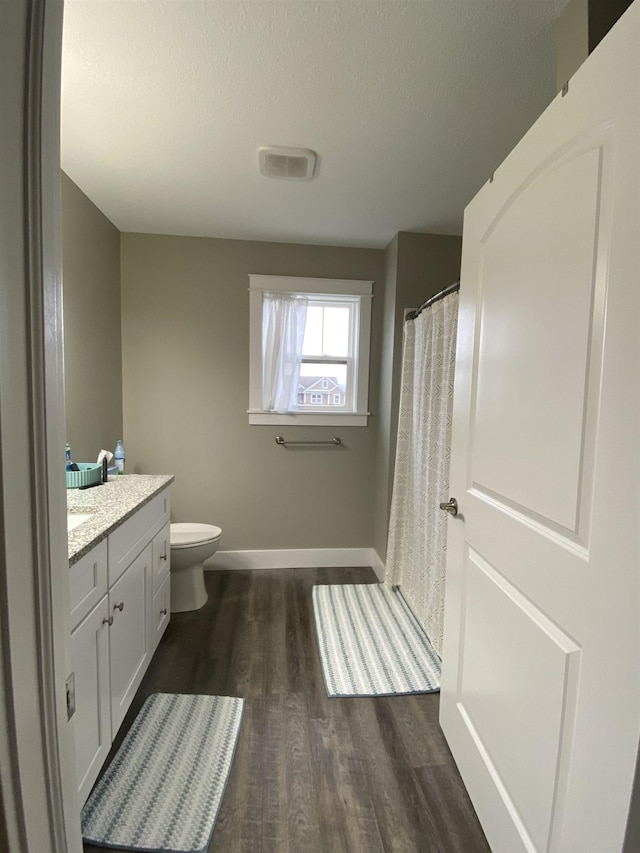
<point x="371" y="643"/>
<point x="163" y="789"/>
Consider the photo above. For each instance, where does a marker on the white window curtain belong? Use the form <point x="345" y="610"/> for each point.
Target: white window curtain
<point x="416" y="552"/>
<point x="284" y="316"/>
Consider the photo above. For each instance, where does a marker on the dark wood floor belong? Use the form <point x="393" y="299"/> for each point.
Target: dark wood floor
<point x="310" y="773"/>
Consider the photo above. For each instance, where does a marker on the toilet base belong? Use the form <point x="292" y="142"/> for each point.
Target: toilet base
<point x="188" y="591"/>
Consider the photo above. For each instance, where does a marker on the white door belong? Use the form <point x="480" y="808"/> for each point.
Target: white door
<point x="541" y="681"/>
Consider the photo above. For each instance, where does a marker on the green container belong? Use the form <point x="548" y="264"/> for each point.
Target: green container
<point x="89" y="473"/>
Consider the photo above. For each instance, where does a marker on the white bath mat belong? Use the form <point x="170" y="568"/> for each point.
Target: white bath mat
<point x="370" y="642"/>
<point x="164" y="787"/>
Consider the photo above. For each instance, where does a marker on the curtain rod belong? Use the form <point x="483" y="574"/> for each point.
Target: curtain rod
<point x="452" y="288"/>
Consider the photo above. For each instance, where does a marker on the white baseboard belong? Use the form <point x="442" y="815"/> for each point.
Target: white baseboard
<point x="297" y="558"/>
<point x="377" y="565"/>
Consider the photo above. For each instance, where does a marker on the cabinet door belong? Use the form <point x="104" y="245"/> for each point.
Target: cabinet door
<point x="129" y="644"/>
<point x="160" y="614"/>
<point x="92" y="719"/>
<point x="161" y="557"/>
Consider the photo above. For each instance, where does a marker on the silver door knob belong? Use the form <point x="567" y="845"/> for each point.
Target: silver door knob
<point x="451" y="506"/>
<point x="119" y="607"/>
<point x="108" y="621"/>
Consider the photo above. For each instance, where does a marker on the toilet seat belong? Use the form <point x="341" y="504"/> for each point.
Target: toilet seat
<point x="188" y="534"/>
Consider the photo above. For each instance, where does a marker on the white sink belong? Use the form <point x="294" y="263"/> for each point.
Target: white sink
<point x="75" y="519"/>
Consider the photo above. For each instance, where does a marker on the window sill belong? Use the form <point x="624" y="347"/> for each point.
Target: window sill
<point x="309" y="418"/>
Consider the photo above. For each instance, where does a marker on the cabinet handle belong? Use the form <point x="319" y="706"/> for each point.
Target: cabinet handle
<point x="163" y="556"/>
<point x="163" y="612"/>
<point x="119" y="607"/>
<point x="108" y="621"/>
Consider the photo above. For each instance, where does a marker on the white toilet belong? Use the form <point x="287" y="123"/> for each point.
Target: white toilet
<point x="191" y="545"/>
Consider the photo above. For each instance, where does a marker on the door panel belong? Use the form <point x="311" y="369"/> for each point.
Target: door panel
<point x="534" y="663"/>
<point x="523" y="289"/>
<point x="541" y="660"/>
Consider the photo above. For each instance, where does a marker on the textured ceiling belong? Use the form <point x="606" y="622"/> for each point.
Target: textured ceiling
<point x="410" y="106"/>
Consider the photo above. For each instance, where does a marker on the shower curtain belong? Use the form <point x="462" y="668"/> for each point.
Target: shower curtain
<point x="416" y="550"/>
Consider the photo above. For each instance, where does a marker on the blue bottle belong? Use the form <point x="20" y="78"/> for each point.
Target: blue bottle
<point x="119" y="456"/>
<point x="68" y="456"/>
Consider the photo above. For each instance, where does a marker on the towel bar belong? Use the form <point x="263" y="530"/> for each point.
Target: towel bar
<point x="332" y="442"/>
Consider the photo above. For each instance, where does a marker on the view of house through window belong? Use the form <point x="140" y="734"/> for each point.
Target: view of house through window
<point x="326" y="354"/>
<point x="309" y="350"/>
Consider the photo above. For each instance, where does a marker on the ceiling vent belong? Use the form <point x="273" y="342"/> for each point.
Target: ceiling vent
<point x="292" y="164"/>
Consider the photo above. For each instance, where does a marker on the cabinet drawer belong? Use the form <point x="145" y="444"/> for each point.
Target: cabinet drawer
<point x="161" y="557"/>
<point x="128" y="540"/>
<point x="160" y="613"/>
<point x="87" y="582"/>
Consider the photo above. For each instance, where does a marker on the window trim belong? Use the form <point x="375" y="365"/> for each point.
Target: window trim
<point x="319" y="288"/>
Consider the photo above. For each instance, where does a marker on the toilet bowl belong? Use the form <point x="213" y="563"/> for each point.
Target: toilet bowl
<point x="191" y="544"/>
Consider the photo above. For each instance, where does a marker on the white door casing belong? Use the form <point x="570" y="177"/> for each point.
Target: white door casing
<point x="37" y="774"/>
<point x="541" y="663"/>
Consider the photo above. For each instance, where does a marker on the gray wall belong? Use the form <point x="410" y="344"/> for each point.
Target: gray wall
<point x="417" y="267"/>
<point x="384" y="440"/>
<point x="603" y="14"/>
<point x="92" y="337"/>
<point x="181" y="367"/>
<point x="571" y="33"/>
<point x="185" y="326"/>
<point x="580" y="29"/>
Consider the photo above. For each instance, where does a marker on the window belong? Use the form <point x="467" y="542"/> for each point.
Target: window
<point x="308" y="336"/>
<point x="326" y="355"/>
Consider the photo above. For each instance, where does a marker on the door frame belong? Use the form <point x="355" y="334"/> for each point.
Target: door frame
<point x="37" y="772"/>
<point x="37" y="778"/>
<point x="630" y="821"/>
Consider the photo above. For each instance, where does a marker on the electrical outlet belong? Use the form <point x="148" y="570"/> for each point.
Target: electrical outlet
<point x="71" y="695"/>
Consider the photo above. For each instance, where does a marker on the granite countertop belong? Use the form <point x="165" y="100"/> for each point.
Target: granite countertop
<point x="109" y="504"/>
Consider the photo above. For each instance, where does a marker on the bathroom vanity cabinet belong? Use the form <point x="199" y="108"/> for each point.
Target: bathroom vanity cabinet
<point x="120" y="607"/>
